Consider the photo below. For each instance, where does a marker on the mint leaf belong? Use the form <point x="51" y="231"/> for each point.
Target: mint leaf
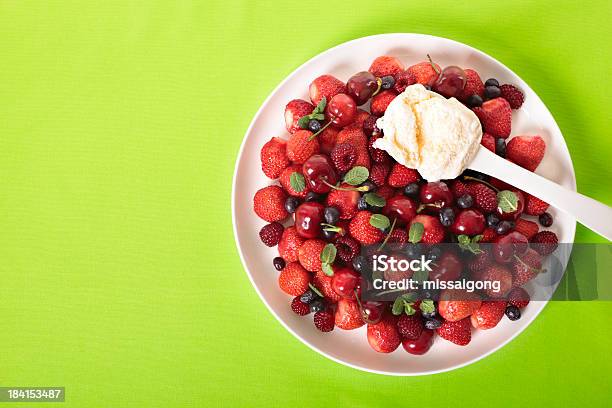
<point x="507" y="201"/>
<point x="315" y="290"/>
<point x="320" y="108"/>
<point x="420" y="275"/>
<point x="356" y="175"/>
<point x="409" y="309"/>
<point x="409" y="297"/>
<point x="327" y="269"/>
<point x="379" y="221"/>
<point x="318" y="116"/>
<point x="416" y="232"/>
<point x="297" y="181"/>
<point x="328" y="255"/>
<point x="398" y="306"/>
<point x="463" y="239"/>
<point x="374" y="200"/>
<point x="427" y="306"/>
<point x="476" y="238"/>
<point x="303" y="122"/>
<point x="469" y="244"/>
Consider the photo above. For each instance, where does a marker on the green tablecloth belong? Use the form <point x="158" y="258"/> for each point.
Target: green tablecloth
<point x="119" y="126"/>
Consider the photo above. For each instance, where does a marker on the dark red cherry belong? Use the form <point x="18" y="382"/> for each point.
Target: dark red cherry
<point x="372" y="311"/>
<point x="361" y="87"/>
<point x="421" y="344"/>
<point x="345" y="282"/>
<point x="513" y="215"/>
<point x="469" y="222"/>
<point x="506" y="246"/>
<point x="341" y="110"/>
<point x="447" y="268"/>
<point x="400" y="207"/>
<point x="437" y="193"/>
<point x="317" y="170"/>
<point x="451" y="82"/>
<point x="308" y="218"/>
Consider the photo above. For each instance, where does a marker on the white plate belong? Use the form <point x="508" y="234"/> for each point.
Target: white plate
<point x="351" y="347"/>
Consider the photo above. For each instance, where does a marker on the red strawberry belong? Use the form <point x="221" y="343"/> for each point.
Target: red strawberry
<point x="300" y="147"/>
<point x="485" y="197"/>
<point x="294" y="110"/>
<point x="383" y="336"/>
<point x="488" y="141"/>
<point x="361" y="229"/>
<point x="348" y="315"/>
<point x="344" y="156"/>
<point x="455" y="304"/>
<point x="410" y="327"/>
<point x="269" y="203"/>
<point x="424" y="73"/>
<point x="309" y="254"/>
<point x="323" y="282"/>
<point x="433" y="231"/>
<point x="274" y="157"/>
<point x="526" y="151"/>
<point x="458" y="188"/>
<point x="526" y="267"/>
<point x="289" y="245"/>
<point x="479" y="262"/>
<point x="403" y="80"/>
<point x="488" y="235"/>
<point x="378" y="155"/>
<point x="401" y="176"/>
<point x="513" y="95"/>
<point x="385" y="192"/>
<point x="327" y="139"/>
<point x="488" y="315"/>
<point x="294" y="279"/>
<point x="378" y="174"/>
<point x="361" y="117"/>
<point x="326" y="86"/>
<point x="473" y="85"/>
<point x="545" y="242"/>
<point x="518" y="297"/>
<point x="526" y="227"/>
<point x="380" y="102"/>
<point x="345" y="201"/>
<point x="271" y="233"/>
<point x="496" y="117"/>
<point x="497" y="273"/>
<point x="285" y="180"/>
<point x="459" y="332"/>
<point x="324" y="320"/>
<point x="386" y="65"/>
<point x="299" y="308"/>
<point x="534" y="206"/>
<point x="398" y="236"/>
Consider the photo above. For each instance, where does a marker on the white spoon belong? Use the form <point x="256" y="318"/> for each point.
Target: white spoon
<point x="590" y="213"/>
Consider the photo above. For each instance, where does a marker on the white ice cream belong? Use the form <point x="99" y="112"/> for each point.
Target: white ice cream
<point x="425" y="131"/>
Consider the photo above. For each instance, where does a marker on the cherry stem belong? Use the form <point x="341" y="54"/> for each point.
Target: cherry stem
<point x="379" y="83"/>
<point x="332" y="228"/>
<point x="362" y="188"/>
<point x="424" y="206"/>
<point x="486" y="183"/>
<point x="320" y="130"/>
<point x="433" y="65"/>
<point x="388" y="235"/>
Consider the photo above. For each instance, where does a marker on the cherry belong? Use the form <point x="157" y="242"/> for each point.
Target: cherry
<point x="436" y="193"/>
<point x="308" y="218"/>
<point x="447" y="268"/>
<point x="372" y="311"/>
<point x="341" y="110"/>
<point x="450" y="82"/>
<point x="506" y="246"/>
<point x="469" y="222"/>
<point x="317" y="169"/>
<point x="400" y="207"/>
<point x="361" y="87"/>
<point x="345" y="281"/>
<point x="421" y="344"/>
<point x="520" y="206"/>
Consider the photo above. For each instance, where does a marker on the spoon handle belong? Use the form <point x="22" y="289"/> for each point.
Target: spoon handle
<point x="590" y="213"/>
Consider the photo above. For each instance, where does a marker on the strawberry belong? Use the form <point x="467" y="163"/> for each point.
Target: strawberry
<point x="285" y="181"/>
<point x="345" y="201"/>
<point x="403" y="80"/>
<point x="526" y="227"/>
<point x="361" y="229"/>
<point x="274" y="157"/>
<point x="488" y="141"/>
<point x="473" y="85"/>
<point x="309" y="254"/>
<point x="496" y="117"/>
<point x="289" y="244"/>
<point x="380" y="102"/>
<point x="377" y="155"/>
<point x="485" y="198"/>
<point x="410" y="327"/>
<point x="300" y="147"/>
<point x="513" y="95"/>
<point x="497" y="273"/>
<point x="401" y="176"/>
<point x="347" y="248"/>
<point x="534" y="206"/>
<point x="545" y="242"/>
<point x="323" y="282"/>
<point x="348" y="315"/>
<point x="358" y="139"/>
<point x="526" y="151"/>
<point x="294" y="110"/>
<point x="326" y="86"/>
<point x="458" y="188"/>
<point x="361" y="117"/>
<point x="294" y="279"/>
<point x="488" y="235"/>
<point x="327" y="139"/>
<point x="526" y="267"/>
<point x="324" y="320"/>
<point x="456" y="304"/>
<point x="378" y="174"/>
<point x="386" y="65"/>
<point x="459" y="332"/>
<point x="433" y="231"/>
<point x="518" y="297"/>
<point x="424" y="73"/>
<point x="488" y="314"/>
<point x="269" y="203"/>
<point x="343" y="156"/>
<point x="479" y="262"/>
<point x="270" y="234"/>
<point x="398" y="236"/>
<point x="383" y="336"/>
<point x="299" y="308"/>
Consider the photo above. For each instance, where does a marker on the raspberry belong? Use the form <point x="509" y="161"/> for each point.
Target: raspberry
<point x="526" y="227"/>
<point x="289" y="245"/>
<point x="285" y="180"/>
<point x="518" y="297"/>
<point x="300" y="147"/>
<point x="324" y="320"/>
<point x="274" y="157"/>
<point x="485" y="197"/>
<point x="299" y="308"/>
<point x="344" y="156"/>
<point x="377" y="155"/>
<point x="270" y="234"/>
<point x="410" y="327"/>
<point x="534" y="206"/>
<point x="401" y="176"/>
<point x="369" y="126"/>
<point x="347" y="248"/>
<point x="545" y="242"/>
<point x="513" y="95"/>
<point x="385" y="192"/>
<point x="380" y="102"/>
<point x="458" y="188"/>
<point x="403" y="80"/>
<point x="378" y="174"/>
<point x="361" y="229"/>
<point x="294" y="279"/>
<point x="269" y="203"/>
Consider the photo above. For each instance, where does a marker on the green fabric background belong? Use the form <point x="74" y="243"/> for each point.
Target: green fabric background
<point x="119" y="126"/>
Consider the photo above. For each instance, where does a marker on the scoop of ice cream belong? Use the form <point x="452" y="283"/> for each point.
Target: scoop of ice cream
<point x="425" y="131"/>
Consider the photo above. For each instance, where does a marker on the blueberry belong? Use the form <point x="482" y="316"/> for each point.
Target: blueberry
<point x="314" y="125"/>
<point x="317" y="305"/>
<point x="503" y="227"/>
<point x="434" y="254"/>
<point x="312" y="196"/>
<point x="492" y="92"/>
<point x="359" y="263"/>
<point x="465" y="201"/>
<point x="328" y="235"/>
<point x="513" y="312"/>
<point x="332" y="215"/>
<point x="413" y="250"/>
<point x="371" y="186"/>
<point x="412" y="190"/>
<point x="546" y="220"/>
<point x="447" y="216"/>
<point x="500" y="147"/>
<point x="361" y="204"/>
<point x="279" y="263"/>
<point x="387" y="82"/>
<point x="474" y="100"/>
<point x="492" y="220"/>
<point x="309" y="296"/>
<point x="491" y="82"/>
<point x="432" y="324"/>
<point x="291" y="204"/>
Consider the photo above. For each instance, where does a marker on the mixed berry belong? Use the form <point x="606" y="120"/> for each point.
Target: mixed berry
<point x="337" y="194"/>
